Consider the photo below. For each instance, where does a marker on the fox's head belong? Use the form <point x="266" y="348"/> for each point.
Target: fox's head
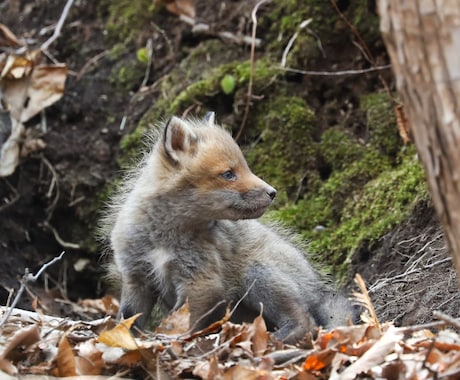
<point x="203" y="162"/>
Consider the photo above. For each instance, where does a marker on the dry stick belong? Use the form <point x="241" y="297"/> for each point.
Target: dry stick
<point x="291" y="41"/>
<point x="149" y="47"/>
<point x="28" y="278"/>
<point x="447" y="318"/>
<point x="60" y="24"/>
<point x="205" y="29"/>
<point x="335" y="73"/>
<point x="91" y="62"/>
<point x="58" y="238"/>
<point x="251" y="73"/>
<point x="54" y="184"/>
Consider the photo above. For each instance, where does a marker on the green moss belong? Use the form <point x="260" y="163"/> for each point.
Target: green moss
<point x="285" y="151"/>
<point x="324" y="206"/>
<point x="127" y="74"/>
<point x="126" y="18"/>
<point x="381" y="122"/>
<point x="383" y="203"/>
<point x="337" y="149"/>
<point x="356" y="206"/>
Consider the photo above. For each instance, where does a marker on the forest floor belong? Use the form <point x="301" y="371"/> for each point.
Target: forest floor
<point x="408" y="273"/>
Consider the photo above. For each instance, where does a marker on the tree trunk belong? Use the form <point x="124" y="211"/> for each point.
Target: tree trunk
<point x="423" y="40"/>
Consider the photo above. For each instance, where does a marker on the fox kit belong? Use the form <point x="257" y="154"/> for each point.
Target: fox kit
<point x="185" y="228"/>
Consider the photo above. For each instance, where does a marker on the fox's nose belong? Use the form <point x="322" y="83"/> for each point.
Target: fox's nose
<point x="271" y="192"/>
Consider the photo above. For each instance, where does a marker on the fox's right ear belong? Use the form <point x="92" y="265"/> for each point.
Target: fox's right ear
<point x="179" y="138"/>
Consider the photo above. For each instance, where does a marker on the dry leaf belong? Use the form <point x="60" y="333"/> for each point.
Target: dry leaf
<point x="176" y="323"/>
<point x="27" y="96"/>
<point x="402" y="123"/>
<point x="66" y="358"/>
<point x="8" y="367"/>
<point x="25" y="337"/>
<point x="318" y="360"/>
<point x="179" y="7"/>
<point x="211" y="328"/>
<point x="107" y="305"/>
<point x="9" y="150"/>
<point x="120" y="335"/>
<point x="375" y="355"/>
<point x="364" y="300"/>
<point x="260" y="336"/>
<point x="89" y="360"/>
<point x="240" y="372"/>
<point x="16" y="67"/>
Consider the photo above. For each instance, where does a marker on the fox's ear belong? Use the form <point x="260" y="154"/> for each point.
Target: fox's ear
<point x="210" y="118"/>
<point x="179" y="138"/>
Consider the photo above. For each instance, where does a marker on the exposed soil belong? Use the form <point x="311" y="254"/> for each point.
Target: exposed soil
<point x="408" y="271"/>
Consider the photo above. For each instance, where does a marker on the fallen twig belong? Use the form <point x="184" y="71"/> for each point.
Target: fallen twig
<point x="336" y="73"/>
<point x="447" y="318"/>
<point x="149" y="47"/>
<point x="59" y="25"/>
<point x="205" y="29"/>
<point x="91" y="62"/>
<point x="251" y="72"/>
<point x="291" y="41"/>
<point x="58" y="238"/>
<point x="27" y="279"/>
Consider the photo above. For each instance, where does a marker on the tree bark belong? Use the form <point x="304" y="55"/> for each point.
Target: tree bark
<point x="423" y="40"/>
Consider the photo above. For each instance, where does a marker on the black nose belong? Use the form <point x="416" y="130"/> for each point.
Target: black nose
<point x="271" y="193"/>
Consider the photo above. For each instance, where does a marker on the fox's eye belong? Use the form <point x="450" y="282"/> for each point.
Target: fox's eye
<point x="229" y="175"/>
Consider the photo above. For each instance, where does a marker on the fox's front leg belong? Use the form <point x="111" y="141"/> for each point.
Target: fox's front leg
<point x="136" y="297"/>
<point x="206" y="299"/>
<point x="281" y="304"/>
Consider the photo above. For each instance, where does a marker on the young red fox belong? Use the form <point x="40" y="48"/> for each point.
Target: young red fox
<point x="185" y="228"/>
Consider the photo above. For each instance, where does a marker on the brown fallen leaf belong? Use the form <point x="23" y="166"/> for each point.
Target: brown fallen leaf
<point x="239" y="372"/>
<point x="176" y="323"/>
<point x="178" y="7"/>
<point x="316" y="361"/>
<point x="120" y="335"/>
<point x="375" y="355"/>
<point x="20" y="340"/>
<point x="89" y="359"/>
<point x="403" y="124"/>
<point x="15" y="67"/>
<point x="65" y="358"/>
<point x="107" y="305"/>
<point x="260" y="336"/>
<point x="27" y="96"/>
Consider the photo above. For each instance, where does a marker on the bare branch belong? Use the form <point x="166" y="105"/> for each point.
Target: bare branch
<point x="27" y="279"/>
<point x="251" y="73"/>
<point x="60" y="24"/>
<point x="149" y="47"/>
<point x="447" y="318"/>
<point x="335" y="73"/>
<point x="58" y="238"/>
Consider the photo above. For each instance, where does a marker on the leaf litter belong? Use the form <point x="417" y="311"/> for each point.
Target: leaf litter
<point x="35" y="344"/>
<point x="27" y="86"/>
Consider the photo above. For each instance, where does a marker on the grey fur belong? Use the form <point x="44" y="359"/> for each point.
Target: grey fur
<point x="183" y="229"/>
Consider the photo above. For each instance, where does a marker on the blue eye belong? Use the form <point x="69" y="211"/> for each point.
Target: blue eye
<point x="229" y="175"/>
